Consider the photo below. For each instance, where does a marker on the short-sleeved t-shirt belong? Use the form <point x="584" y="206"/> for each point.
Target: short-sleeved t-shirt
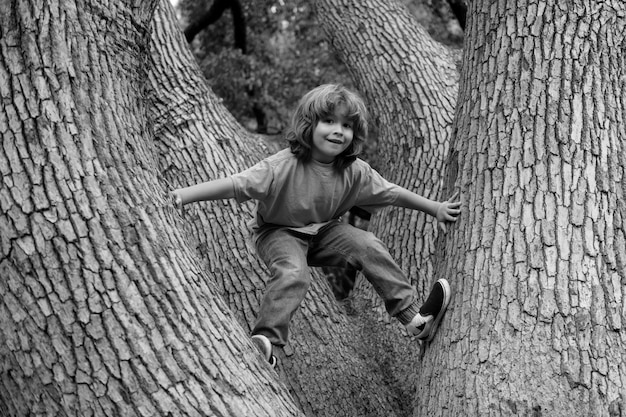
<point x="304" y="196"/>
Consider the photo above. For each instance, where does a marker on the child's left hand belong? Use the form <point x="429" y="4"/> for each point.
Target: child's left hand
<point x="448" y="211"/>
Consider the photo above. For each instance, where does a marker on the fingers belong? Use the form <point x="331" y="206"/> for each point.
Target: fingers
<point x="450" y="213"/>
<point x="454" y="197"/>
<point x="451" y="210"/>
<point x="453" y="207"/>
<point x="451" y="217"/>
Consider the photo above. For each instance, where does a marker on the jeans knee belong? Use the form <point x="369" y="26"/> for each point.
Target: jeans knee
<point x="370" y="244"/>
<point x="291" y="275"/>
<point x="367" y="251"/>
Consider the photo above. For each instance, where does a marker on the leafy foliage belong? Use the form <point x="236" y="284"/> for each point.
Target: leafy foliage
<point x="287" y="54"/>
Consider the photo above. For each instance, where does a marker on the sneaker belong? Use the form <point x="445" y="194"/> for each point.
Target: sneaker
<point x="265" y="347"/>
<point x="425" y="324"/>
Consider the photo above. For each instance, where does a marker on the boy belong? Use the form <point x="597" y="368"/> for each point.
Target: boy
<point x="301" y="194"/>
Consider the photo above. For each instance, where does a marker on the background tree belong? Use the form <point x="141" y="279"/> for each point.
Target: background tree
<point x="287" y="53"/>
<point x="213" y="14"/>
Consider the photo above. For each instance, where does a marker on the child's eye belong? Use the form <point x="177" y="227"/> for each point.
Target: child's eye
<point x="348" y="125"/>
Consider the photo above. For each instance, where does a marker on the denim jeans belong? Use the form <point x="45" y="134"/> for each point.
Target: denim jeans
<point x="289" y="254"/>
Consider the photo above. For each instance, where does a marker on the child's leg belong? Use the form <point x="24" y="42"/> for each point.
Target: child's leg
<point x="364" y="251"/>
<point x="285" y="256"/>
<point x="368" y="254"/>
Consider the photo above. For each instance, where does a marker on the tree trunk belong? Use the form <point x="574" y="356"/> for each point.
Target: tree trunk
<point x="106" y="308"/>
<point x="538" y="259"/>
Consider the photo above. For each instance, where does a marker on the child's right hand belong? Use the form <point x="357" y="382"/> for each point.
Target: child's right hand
<point x="177" y="202"/>
<point x="448" y="211"/>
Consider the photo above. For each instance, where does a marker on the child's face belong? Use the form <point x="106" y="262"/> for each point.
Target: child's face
<point x="332" y="135"/>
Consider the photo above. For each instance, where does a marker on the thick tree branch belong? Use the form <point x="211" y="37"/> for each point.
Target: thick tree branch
<point x="214" y="13"/>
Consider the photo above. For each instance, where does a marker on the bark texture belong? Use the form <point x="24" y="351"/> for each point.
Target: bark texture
<point x="112" y="305"/>
<point x="537" y="323"/>
<point x="104" y="308"/>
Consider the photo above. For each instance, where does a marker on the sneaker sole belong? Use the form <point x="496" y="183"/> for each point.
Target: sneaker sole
<point x="446" y="300"/>
<point x="264" y="345"/>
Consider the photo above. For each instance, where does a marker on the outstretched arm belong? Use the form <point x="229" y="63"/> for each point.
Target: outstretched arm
<point x="446" y="211"/>
<point x="210" y="190"/>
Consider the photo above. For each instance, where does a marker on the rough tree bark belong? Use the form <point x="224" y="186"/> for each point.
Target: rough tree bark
<point x="106" y="309"/>
<point x="111" y="305"/>
<point x="539" y="259"/>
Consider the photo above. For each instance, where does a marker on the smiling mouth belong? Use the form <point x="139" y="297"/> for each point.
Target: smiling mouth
<point x="336" y="141"/>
